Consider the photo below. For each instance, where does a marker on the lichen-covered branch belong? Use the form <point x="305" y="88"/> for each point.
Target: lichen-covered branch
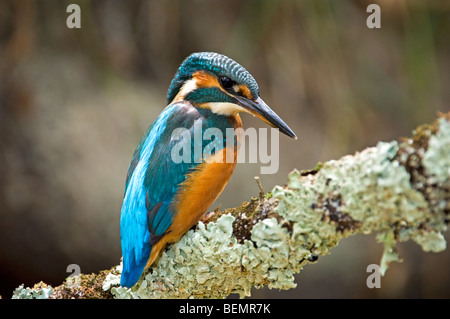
<point x="399" y="190"/>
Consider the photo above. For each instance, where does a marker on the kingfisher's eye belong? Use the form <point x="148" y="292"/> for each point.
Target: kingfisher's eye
<point x="226" y="82"/>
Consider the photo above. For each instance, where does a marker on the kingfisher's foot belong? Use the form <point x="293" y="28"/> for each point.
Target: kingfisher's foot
<point x="207" y="216"/>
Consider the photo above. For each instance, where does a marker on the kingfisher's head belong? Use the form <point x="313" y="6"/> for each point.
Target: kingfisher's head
<point x="214" y="81"/>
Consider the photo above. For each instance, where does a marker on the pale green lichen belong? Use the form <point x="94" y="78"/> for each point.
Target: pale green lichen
<point x="389" y="250"/>
<point x="370" y="189"/>
<point x="432" y="241"/>
<point x="381" y="189"/>
<point x="112" y="279"/>
<point x="437" y="158"/>
<point x="40" y="291"/>
<point x="209" y="263"/>
<point x="368" y="192"/>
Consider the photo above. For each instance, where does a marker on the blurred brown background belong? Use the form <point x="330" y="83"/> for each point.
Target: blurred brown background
<point x="75" y="102"/>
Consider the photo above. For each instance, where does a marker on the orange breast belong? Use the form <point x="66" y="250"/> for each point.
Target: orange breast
<point x="199" y="191"/>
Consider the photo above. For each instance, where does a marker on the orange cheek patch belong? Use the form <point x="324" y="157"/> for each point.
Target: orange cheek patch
<point x="204" y="79"/>
<point x="245" y="91"/>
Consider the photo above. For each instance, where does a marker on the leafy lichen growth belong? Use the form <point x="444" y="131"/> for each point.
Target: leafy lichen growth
<point x="375" y="193"/>
<point x="437" y="158"/>
<point x="210" y="263"/>
<point x="267" y="241"/>
<point x="39" y="291"/>
<point x="426" y="158"/>
<point x="373" y="190"/>
<point x="399" y="190"/>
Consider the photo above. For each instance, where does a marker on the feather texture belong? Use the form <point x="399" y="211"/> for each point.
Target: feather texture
<point x="154" y="180"/>
<point x="215" y="63"/>
<point x="178" y="169"/>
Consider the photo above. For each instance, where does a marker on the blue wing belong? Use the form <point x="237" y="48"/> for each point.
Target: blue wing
<point x="152" y="182"/>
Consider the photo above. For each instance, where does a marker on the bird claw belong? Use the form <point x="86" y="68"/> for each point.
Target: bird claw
<point x="207" y="216"/>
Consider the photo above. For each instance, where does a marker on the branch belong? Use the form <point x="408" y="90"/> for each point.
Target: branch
<point x="399" y="190"/>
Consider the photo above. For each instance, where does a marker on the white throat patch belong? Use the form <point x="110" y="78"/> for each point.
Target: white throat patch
<point x="225" y="108"/>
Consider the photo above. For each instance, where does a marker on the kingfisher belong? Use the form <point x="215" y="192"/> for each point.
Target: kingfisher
<point x="164" y="197"/>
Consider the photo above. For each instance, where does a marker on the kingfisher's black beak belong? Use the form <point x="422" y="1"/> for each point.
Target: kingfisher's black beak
<point x="260" y="109"/>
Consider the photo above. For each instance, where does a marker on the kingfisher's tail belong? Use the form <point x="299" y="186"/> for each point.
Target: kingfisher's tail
<point x="131" y="272"/>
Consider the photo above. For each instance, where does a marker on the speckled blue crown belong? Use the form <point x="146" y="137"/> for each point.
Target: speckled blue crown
<point x="216" y="63"/>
